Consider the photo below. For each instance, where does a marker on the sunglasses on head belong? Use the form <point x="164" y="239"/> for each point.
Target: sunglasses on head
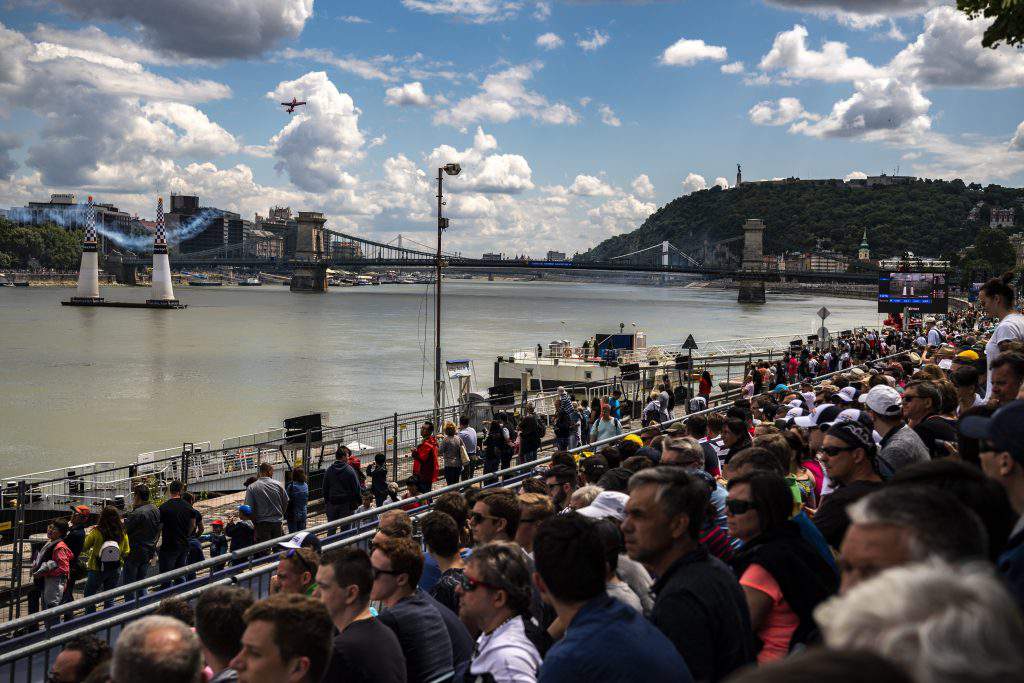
<point x="294" y="553"/>
<point x="738" y="507"/>
<point x="468" y="584"/>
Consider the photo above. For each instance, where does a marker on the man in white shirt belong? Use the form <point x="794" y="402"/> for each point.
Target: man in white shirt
<point x="494" y="596"/>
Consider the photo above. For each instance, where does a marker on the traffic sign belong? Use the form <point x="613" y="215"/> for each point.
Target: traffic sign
<point x="690" y="344"/>
<point x="824" y="313"/>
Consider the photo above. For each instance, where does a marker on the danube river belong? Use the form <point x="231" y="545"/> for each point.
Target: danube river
<point x="86" y="384"/>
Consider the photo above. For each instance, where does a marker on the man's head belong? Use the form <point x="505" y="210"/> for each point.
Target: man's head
<point x="156" y="648"/>
<point x="848" y="452"/>
<point x="569" y="560"/>
<point x="1007" y="375"/>
<point x="342" y="453"/>
<point x="697" y="426"/>
<point x="495" y="517"/>
<point x="265" y="469"/>
<point x="965" y="379"/>
<point x="884" y="403"/>
<point x="941" y="622"/>
<point x="344" y="583"/>
<point x="78" y="658"/>
<point x="495" y="586"/>
<point x="426" y="429"/>
<point x="666" y="510"/>
<point x="753" y="459"/>
<point x="1002" y="443"/>
<point x="397" y="565"/>
<point x="140" y="495"/>
<point x="220" y="622"/>
<point x="440" y="534"/>
<point x="904" y="524"/>
<point x="684" y="452"/>
<point x="921" y="399"/>
<point x="393" y="524"/>
<point x="593" y="468"/>
<point x="454" y="505"/>
<point x="296" y="569"/>
<point x="561" y="482"/>
<point x="287" y="638"/>
<point x="534" y="508"/>
<point x="175" y="488"/>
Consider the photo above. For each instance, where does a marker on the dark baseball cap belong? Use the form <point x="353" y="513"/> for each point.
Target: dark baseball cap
<point x="1005" y="429"/>
<point x="854" y="434"/>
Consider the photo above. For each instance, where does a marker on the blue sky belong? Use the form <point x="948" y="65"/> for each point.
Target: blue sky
<point x="573" y="120"/>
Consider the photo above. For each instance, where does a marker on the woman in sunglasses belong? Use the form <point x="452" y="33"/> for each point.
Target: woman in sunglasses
<point x="783" y="577"/>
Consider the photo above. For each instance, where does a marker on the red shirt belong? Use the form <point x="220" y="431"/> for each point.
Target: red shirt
<point x="424" y="460"/>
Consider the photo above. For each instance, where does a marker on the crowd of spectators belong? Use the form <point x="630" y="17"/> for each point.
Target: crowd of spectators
<point x="869" y="527"/>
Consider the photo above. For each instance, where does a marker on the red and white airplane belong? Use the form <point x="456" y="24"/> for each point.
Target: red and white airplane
<point x="291" y="105"/>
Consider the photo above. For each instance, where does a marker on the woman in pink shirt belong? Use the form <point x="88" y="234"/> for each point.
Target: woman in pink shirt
<point x="782" y="575"/>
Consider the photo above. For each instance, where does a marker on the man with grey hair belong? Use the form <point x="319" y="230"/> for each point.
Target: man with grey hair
<point x="897" y="526"/>
<point x="941" y="623"/>
<point x="685" y="452"/>
<point x="698" y="603"/>
<point x="156" y="648"/>
<point x="495" y="598"/>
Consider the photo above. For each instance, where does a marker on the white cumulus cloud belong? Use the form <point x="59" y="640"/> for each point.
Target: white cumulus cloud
<point x="595" y="40"/>
<point x="1018" y="138"/>
<point x="503" y="96"/>
<point x="721" y="182"/>
<point x="687" y="52"/>
<point x="549" y="41"/>
<point x="791" y="56"/>
<point x="732" y="68"/>
<point x="642" y="186"/>
<point x="316" y="147"/>
<point x="472" y="11"/>
<point x="881" y="108"/>
<point x="784" y="111"/>
<point x="608" y="116"/>
<point x="694" y="182"/>
<point x="590" y="186"/>
<point x="855" y="175"/>
<point x="407" y="95"/>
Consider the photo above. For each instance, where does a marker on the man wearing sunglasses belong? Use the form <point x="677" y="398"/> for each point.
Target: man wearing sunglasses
<point x="847" y="455"/>
<point x="495" y="517"/>
<point x="426" y="629"/>
<point x="494" y="599"/>
<point x="296" y="572"/>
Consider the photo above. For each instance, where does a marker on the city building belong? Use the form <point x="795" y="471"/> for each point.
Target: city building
<point x="975" y="212"/>
<point x="201" y="228"/>
<point x="491" y="257"/>
<point x="281" y="223"/>
<point x="1002" y="218"/>
<point x="346" y="249"/>
<point x="864" y="252"/>
<point x="556" y="256"/>
<point x="264" y="243"/>
<point x="825" y="262"/>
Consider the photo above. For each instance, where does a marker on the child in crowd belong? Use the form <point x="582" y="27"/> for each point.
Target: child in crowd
<point x="242" y="532"/>
<point x="217" y="539"/>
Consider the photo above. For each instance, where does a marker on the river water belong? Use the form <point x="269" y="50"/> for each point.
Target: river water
<point x="85" y="384"/>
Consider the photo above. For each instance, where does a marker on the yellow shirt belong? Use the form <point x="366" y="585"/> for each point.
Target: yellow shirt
<point x="92" y="545"/>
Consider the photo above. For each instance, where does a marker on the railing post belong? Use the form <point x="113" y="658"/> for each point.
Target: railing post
<point x="394" y="450"/>
<point x="19" y="549"/>
<point x="306" y="449"/>
<point x="183" y="468"/>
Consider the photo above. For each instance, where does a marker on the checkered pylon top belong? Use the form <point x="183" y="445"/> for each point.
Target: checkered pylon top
<point x="90" y="222"/>
<point x="160" y="237"/>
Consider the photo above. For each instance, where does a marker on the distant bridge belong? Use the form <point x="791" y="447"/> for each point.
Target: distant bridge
<point x="363" y="253"/>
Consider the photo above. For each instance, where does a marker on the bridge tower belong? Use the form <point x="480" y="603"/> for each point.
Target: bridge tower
<point x="750" y="277"/>
<point x="163" y="290"/>
<point x="89" y="270"/>
<point x="310" y="274"/>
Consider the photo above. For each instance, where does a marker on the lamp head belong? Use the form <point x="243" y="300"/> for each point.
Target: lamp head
<point x="452" y="169"/>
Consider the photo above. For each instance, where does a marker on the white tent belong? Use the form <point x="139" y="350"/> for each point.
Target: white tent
<point x="355" y="447"/>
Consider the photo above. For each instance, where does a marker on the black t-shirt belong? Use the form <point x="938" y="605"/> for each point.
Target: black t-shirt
<point x="831" y="518"/>
<point x="367" y="651"/>
<point x="175" y="515"/>
<point x="935" y="428"/>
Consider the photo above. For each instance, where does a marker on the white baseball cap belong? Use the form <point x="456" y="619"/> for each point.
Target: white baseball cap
<point x="884" y="400"/>
<point x="607" y="504"/>
<point x="847" y="394"/>
<point x="823" y="414"/>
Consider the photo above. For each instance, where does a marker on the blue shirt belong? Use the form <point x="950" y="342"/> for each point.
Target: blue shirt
<point x="610" y="642"/>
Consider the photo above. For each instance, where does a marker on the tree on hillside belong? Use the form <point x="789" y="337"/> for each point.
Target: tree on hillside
<point x="50" y="245"/>
<point x="1008" y="26"/>
<point x="991" y="255"/>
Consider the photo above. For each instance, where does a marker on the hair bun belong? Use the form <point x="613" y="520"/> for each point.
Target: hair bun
<point x="1007" y="277"/>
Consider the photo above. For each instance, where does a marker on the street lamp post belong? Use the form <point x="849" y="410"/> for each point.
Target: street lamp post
<point x="442" y="223"/>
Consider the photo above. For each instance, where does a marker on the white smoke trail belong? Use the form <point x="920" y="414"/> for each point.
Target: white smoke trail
<point x="77" y="216"/>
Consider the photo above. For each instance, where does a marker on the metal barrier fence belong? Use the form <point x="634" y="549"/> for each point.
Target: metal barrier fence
<point x="27" y="657"/>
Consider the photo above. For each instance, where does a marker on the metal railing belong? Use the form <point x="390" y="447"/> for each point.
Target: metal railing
<point x="27" y="656"/>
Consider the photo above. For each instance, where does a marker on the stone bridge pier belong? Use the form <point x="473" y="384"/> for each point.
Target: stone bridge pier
<point x="751" y="276"/>
<point x="310" y="270"/>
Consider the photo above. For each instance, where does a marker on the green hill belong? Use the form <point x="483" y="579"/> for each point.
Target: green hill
<point x="927" y="217"/>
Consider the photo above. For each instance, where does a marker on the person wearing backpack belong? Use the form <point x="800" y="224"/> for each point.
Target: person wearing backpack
<point x="106" y="546"/>
<point x="606" y="426"/>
